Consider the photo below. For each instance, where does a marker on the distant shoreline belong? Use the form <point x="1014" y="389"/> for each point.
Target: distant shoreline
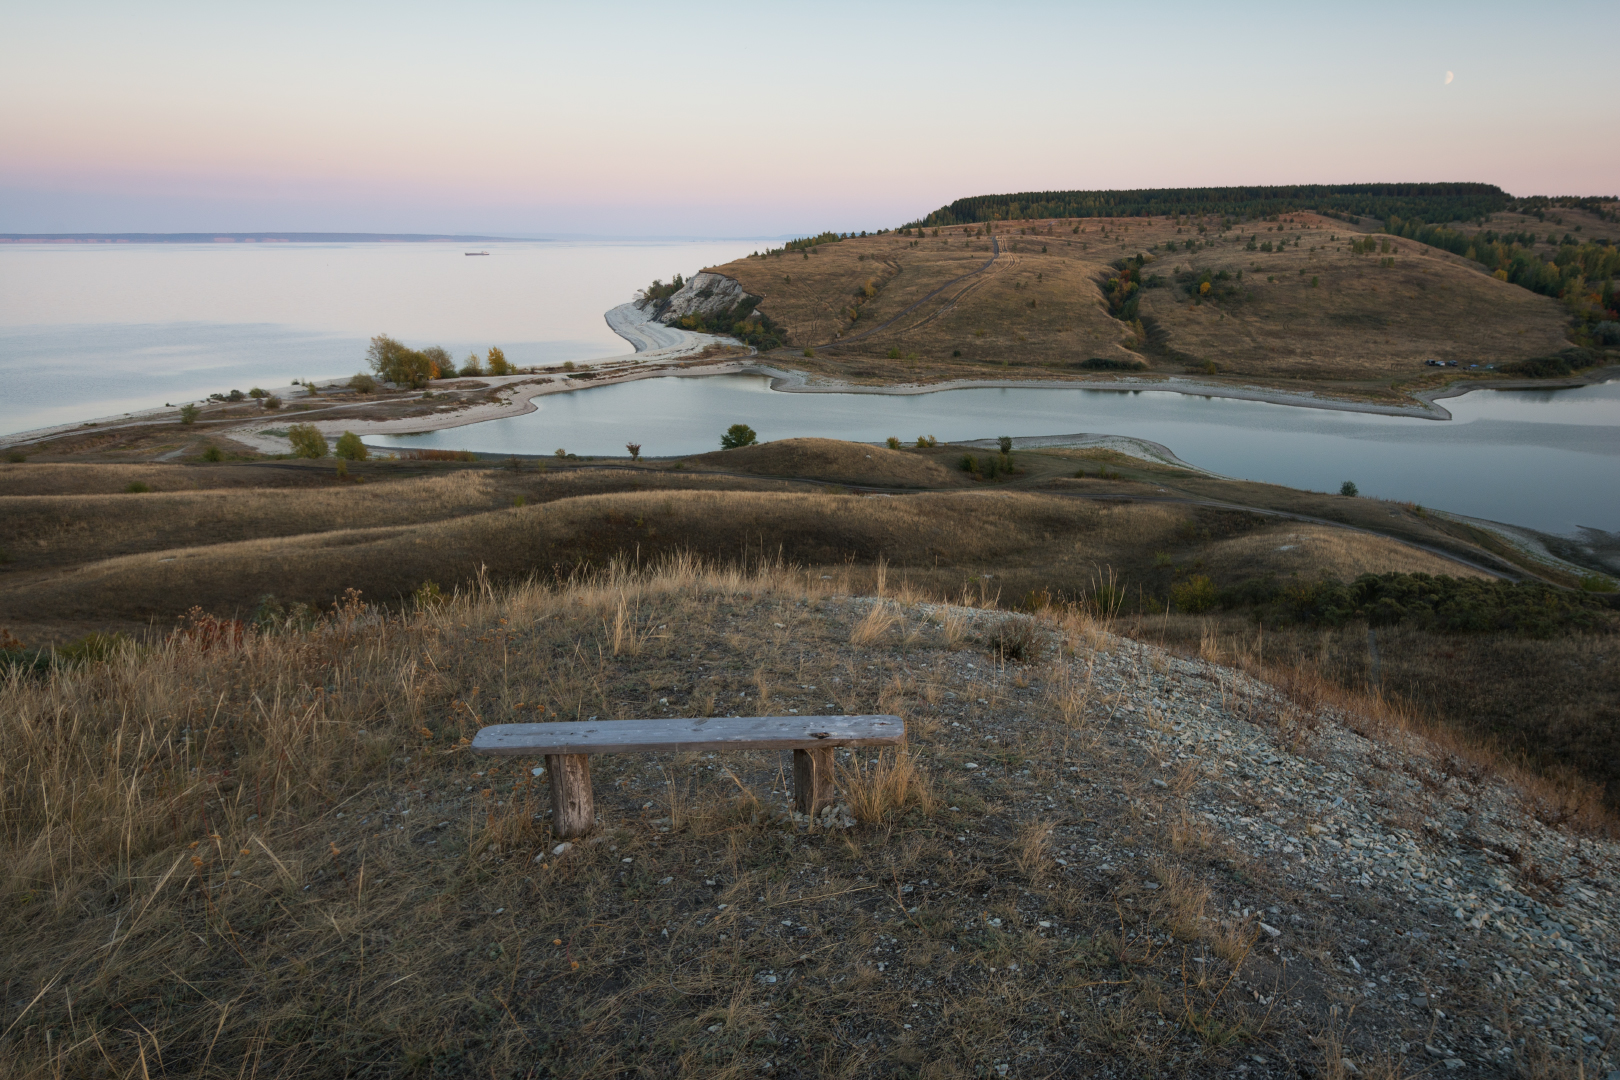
<point x="254" y="238"/>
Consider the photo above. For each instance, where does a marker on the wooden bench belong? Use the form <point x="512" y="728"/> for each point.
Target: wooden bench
<point x="567" y="747"/>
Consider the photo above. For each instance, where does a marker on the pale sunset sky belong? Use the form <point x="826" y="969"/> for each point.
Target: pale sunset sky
<point x="726" y="119"/>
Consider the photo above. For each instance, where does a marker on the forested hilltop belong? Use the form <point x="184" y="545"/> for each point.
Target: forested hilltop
<point x="1411" y="202"/>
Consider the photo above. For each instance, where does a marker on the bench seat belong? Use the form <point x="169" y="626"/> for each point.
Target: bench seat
<point x="567" y="746"/>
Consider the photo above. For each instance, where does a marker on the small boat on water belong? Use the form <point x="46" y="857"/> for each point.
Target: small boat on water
<point x="475" y="253"/>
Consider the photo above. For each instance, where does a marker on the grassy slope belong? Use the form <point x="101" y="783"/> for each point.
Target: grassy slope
<point x="1038" y="312"/>
<point x="142" y="557"/>
<point x="123" y="562"/>
<point x="276" y="860"/>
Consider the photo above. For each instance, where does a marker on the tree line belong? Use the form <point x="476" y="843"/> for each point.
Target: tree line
<point x="1424" y="202"/>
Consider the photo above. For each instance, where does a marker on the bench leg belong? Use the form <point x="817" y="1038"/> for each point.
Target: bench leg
<point x="812" y="780"/>
<point x="573" y="815"/>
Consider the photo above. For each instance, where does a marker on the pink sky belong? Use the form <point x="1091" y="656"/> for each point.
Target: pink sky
<point x="749" y="120"/>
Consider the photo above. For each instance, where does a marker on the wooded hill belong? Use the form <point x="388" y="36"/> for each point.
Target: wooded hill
<point x="1416" y="202"/>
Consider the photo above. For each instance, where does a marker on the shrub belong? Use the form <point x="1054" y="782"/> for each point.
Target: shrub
<point x="310" y="389"/>
<point x="363" y="384"/>
<point x="1014" y="639"/>
<point x="428" y="596"/>
<point x="969" y="463"/>
<point x="189" y="413"/>
<point x="473" y="366"/>
<point x="271" y="401"/>
<point x="894" y="352"/>
<point x="892" y="442"/>
<point x="1606" y="333"/>
<point x="1196" y="594"/>
<point x="395" y="363"/>
<point x="255" y="393"/>
<point x="810" y="353"/>
<point x="350" y="448"/>
<point x="16" y="457"/>
<point x="635" y="450"/>
<point x="1005" y="442"/>
<point x="307" y="441"/>
<point x="738" y="435"/>
<point x="925" y="441"/>
<point x="137" y="487"/>
<point x="560" y="452"/>
<point x="1349" y="490"/>
<point x="497" y="362"/>
<point x="213" y="453"/>
<point x="440" y="361"/>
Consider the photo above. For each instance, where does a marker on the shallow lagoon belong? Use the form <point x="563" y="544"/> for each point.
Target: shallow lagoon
<point x="1546" y="459"/>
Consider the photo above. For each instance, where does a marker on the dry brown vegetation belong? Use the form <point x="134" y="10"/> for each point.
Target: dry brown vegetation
<point x="1038" y="310"/>
<point x="448" y="531"/>
<point x="833" y="459"/>
<point x="278" y="859"/>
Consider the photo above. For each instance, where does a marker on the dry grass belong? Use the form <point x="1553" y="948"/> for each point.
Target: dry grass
<point x="280" y="857"/>
<point x="1539" y="713"/>
<point x="875" y="626"/>
<point x="937" y="540"/>
<point x="831" y="459"/>
<point x="879" y="787"/>
<point x="1038" y="309"/>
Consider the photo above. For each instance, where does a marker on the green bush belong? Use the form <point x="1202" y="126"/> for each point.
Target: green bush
<point x="307" y="441"/>
<point x="16" y="457"/>
<point x="738" y="435"/>
<point x="1195" y="595"/>
<point x="350" y="448"/>
<point x="1349" y="490"/>
<point x="1437" y="603"/>
<point x="213" y="453"/>
<point x="363" y="384"/>
<point x="894" y="352"/>
<point x="271" y="401"/>
<point x="137" y="487"/>
<point x="402" y="366"/>
<point x="892" y="442"/>
<point x="189" y="413"/>
<point x="255" y="393"/>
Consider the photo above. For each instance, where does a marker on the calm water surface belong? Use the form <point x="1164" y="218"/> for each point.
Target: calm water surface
<point x="92" y="330"/>
<point x="1546" y="459"/>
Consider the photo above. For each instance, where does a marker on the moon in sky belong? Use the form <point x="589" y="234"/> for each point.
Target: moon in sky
<point x="1449" y="77"/>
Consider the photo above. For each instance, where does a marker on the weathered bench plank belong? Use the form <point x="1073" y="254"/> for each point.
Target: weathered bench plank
<point x="567" y="747"/>
<point x="701" y="733"/>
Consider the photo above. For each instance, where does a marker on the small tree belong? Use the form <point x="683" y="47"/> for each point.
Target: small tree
<point x="395" y="363"/>
<point x="310" y="389"/>
<point x="1348" y="489"/>
<point x="1005" y="442"/>
<point x="189" y="413"/>
<point x="271" y="401"/>
<point x="473" y="366"/>
<point x="635" y="450"/>
<point x="497" y="362"/>
<point x="440" y="360"/>
<point x="363" y="384"/>
<point x="307" y="441"/>
<point x="893" y="442"/>
<point x="738" y="435"/>
<point x="350" y="448"/>
<point x="255" y="393"/>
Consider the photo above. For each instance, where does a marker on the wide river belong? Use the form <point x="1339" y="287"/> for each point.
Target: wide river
<point x="90" y="330"/>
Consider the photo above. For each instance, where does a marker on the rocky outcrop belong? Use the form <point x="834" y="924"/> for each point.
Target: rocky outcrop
<point x="710" y="296"/>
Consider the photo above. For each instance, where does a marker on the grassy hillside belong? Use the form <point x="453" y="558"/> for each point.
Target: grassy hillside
<point x="1154" y="542"/>
<point x="1300" y="298"/>
<point x="276" y="857"/>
